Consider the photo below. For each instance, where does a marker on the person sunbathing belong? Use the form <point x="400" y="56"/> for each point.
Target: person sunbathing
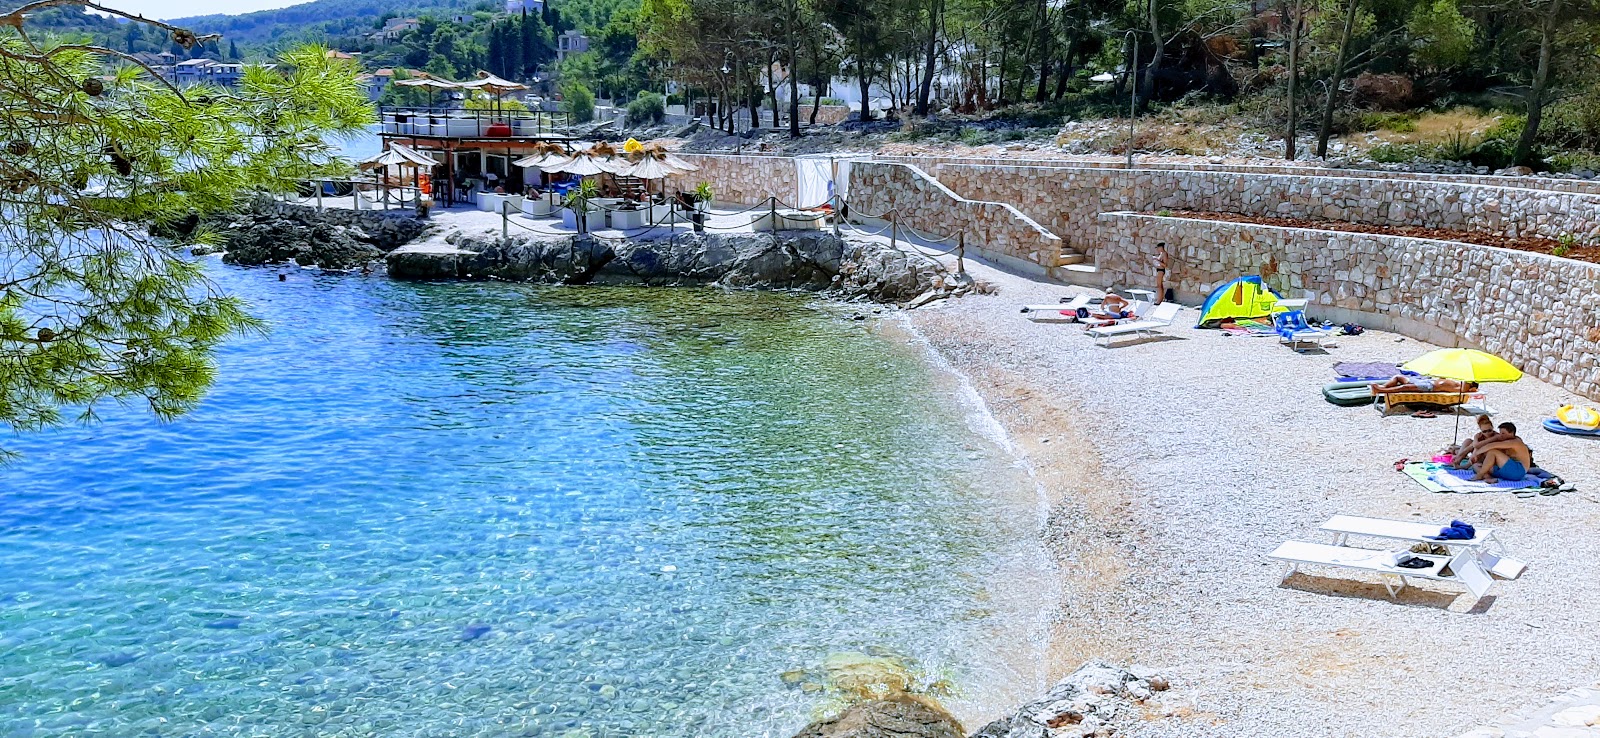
<point x="1115" y="307"/>
<point x="1461" y="458"/>
<point x="1508" y="460"/>
<point x="1404" y="383"/>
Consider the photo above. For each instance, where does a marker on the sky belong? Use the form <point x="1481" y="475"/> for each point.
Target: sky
<point x="164" y="9"/>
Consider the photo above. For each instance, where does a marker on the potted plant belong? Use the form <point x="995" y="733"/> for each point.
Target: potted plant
<point x="629" y="215"/>
<point x="580" y="213"/>
<point x="702" y="196"/>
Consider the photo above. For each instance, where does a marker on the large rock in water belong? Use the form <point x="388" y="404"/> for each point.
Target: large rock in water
<point x="1089" y="701"/>
<point x="804" y="260"/>
<point x="275" y="233"/>
<point x="902" y="716"/>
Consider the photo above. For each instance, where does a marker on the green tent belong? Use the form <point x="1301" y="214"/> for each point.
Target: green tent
<point x="1245" y="297"/>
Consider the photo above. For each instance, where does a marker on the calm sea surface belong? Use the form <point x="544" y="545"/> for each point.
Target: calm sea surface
<point x="505" y="510"/>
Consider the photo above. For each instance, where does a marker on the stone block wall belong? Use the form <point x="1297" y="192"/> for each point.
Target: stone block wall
<point x="1069" y="200"/>
<point x="1577" y="186"/>
<point x="921" y="202"/>
<point x="740" y="180"/>
<point x="1537" y="311"/>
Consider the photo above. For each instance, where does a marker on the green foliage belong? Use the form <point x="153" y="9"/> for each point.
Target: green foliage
<point x="1397" y="153"/>
<point x="1378" y="121"/>
<point x="92" y="307"/>
<point x="578" y="102"/>
<point x="1564" y="244"/>
<point x="1444" y="37"/>
<point x="580" y="198"/>
<point x="488" y="102"/>
<point x="703" y="192"/>
<point x="648" y="107"/>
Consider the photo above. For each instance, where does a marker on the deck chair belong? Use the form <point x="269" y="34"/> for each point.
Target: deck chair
<point x="1060" y="310"/>
<point x="1293" y="331"/>
<point x="1160" y="316"/>
<point x="1387" y="401"/>
<point x="1463" y="568"/>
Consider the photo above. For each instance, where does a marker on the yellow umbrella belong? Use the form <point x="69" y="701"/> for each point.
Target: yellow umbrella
<point x="1464" y="365"/>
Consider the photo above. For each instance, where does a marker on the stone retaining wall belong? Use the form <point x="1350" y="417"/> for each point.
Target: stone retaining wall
<point x="1539" y="312"/>
<point x="1577" y="186"/>
<point x="921" y="202"/>
<point x="741" y="180"/>
<point x="1069" y="200"/>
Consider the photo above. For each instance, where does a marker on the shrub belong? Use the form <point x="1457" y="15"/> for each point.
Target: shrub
<point x="578" y="101"/>
<point x="1396" y="122"/>
<point x="1394" y="153"/>
<point x="974" y="136"/>
<point x="1383" y="91"/>
<point x="648" y="107"/>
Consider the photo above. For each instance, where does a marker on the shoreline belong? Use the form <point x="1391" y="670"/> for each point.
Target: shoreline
<point x="1175" y="465"/>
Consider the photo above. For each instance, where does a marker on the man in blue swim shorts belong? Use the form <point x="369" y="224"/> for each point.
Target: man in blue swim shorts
<point x="1507" y="460"/>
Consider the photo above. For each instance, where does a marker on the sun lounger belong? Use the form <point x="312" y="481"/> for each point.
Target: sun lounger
<point x="1464" y="568"/>
<point x="1344" y="526"/>
<point x="1387" y="401"/>
<point x="1061" y="310"/>
<point x="1293" y="331"/>
<point x="1160" y="316"/>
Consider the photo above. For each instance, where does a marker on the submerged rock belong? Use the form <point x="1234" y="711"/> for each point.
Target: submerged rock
<point x="902" y="716"/>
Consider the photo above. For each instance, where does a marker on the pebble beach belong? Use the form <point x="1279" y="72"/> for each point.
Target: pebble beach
<point x="1174" y="466"/>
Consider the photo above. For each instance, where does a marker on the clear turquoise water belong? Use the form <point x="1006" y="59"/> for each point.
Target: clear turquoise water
<point x="492" y="510"/>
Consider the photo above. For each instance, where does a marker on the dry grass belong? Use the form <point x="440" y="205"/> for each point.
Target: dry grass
<point x="1433" y="128"/>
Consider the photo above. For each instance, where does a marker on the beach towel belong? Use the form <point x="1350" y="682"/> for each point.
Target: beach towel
<point x="1368" y="371"/>
<point x="1441" y="478"/>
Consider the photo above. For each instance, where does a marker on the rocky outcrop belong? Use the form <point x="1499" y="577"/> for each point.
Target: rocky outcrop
<point x="1091" y="701"/>
<point x="275" y="233"/>
<point x="802" y="260"/>
<point x="902" y="716"/>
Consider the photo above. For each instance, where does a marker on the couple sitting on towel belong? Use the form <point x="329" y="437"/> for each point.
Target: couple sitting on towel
<point x="1494" y="454"/>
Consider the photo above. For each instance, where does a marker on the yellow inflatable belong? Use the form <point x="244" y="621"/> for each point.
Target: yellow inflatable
<point x="1579" y="416"/>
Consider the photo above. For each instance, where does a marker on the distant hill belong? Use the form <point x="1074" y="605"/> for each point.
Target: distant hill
<point x="321" y="20"/>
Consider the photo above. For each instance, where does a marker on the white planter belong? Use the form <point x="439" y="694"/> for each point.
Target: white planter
<point x="491" y="202"/>
<point x="539" y="207"/>
<point x="627" y="220"/>
<point x="595" y="219"/>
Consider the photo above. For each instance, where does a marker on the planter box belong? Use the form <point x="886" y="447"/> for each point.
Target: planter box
<point x="541" y="207"/>
<point x="490" y="202"/>
<point x="595" y="219"/>
<point x="628" y="220"/>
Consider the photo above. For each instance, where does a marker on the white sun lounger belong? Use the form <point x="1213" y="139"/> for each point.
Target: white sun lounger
<point x="1492" y="552"/>
<point x="1161" y="316"/>
<point x="1054" y="311"/>
<point x="1344" y="526"/>
<point x="1464" y="566"/>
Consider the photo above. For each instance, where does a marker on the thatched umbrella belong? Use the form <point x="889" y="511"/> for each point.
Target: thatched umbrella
<point x="430" y="83"/>
<point x="493" y="85"/>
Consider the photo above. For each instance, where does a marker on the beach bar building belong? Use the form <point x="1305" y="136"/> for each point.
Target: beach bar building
<point x="476" y="149"/>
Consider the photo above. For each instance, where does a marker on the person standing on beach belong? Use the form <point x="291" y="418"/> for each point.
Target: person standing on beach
<point x="1160" y="260"/>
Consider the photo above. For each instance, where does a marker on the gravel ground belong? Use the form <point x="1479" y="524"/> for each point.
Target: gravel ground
<point x="1176" y="465"/>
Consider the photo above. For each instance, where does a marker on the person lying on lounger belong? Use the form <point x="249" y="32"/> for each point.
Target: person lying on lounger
<point x="1405" y="383"/>
<point x="1112" y="308"/>
<point x="1487" y="434"/>
<point x="1507" y="460"/>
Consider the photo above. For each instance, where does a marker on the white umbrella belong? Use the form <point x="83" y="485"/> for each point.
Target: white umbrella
<point x="650" y="168"/>
<point x="679" y="164"/>
<point x="398" y="153"/>
<point x="582" y="166"/>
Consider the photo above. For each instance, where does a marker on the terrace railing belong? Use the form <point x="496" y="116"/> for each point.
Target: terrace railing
<point x="440" y="122"/>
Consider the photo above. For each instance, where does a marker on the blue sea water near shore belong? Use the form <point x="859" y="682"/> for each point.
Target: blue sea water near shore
<point x="510" y="510"/>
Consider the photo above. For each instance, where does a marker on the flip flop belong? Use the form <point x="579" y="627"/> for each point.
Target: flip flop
<point x="1549" y="492"/>
<point x="1523" y="493"/>
<point x="1424" y="414"/>
<point x="1400" y="465"/>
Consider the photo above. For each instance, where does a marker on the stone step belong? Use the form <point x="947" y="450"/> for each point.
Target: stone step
<point x="1069" y="257"/>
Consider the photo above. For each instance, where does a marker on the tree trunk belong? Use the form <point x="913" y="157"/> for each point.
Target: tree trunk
<point x="1294" y="76"/>
<point x="816" y="98"/>
<point x="1325" y="130"/>
<point x="794" y="75"/>
<point x="866" y="91"/>
<point x="1068" y="68"/>
<point x="1147" y="90"/>
<point x="929" y="51"/>
<point x="1043" y="26"/>
<point x="1541" y="80"/>
<point x="772" y="88"/>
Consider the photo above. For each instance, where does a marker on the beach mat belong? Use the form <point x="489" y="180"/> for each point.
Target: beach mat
<point x="1441" y="478"/>
<point x="1374" y="371"/>
<point x="1556" y="426"/>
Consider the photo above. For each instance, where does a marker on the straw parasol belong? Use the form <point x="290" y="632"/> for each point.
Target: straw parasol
<point x="581" y="165"/>
<point x="1464" y="365"/>
<point x="432" y="84"/>
<point x="650" y="167"/>
<point x="398" y="154"/>
<point x="497" y="86"/>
